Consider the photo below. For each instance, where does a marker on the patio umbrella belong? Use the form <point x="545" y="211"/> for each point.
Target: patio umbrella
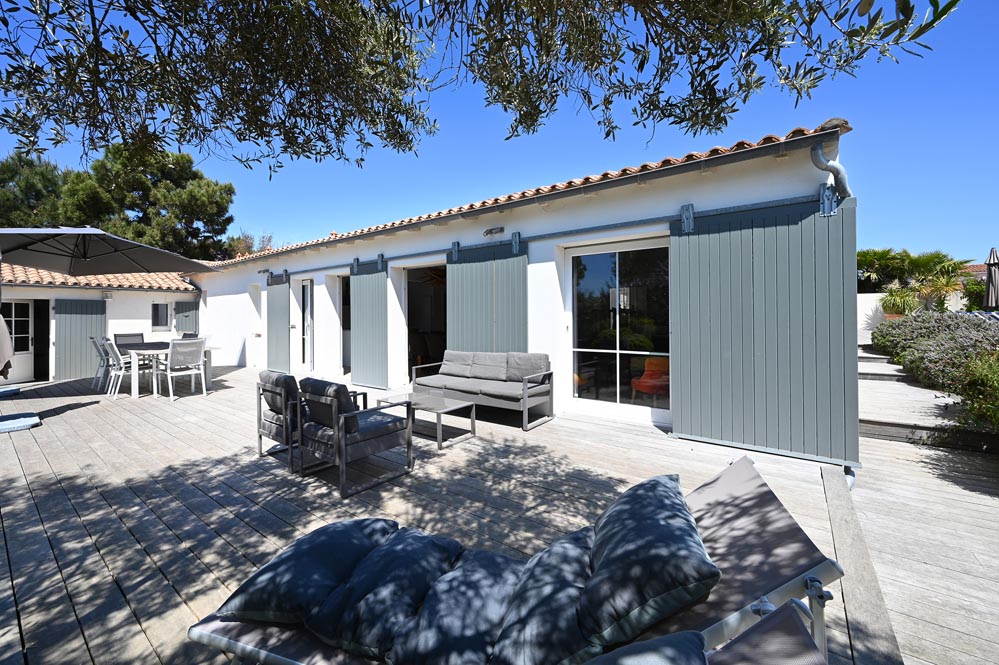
<point x="78" y="252"/>
<point x="992" y="281"/>
<point x="87" y="251"/>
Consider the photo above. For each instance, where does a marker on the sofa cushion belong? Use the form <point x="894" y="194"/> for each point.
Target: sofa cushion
<point x="489" y="366"/>
<point x="372" y="424"/>
<point x="322" y="413"/>
<point x="278" y="380"/>
<point x="435" y="381"/>
<point x="304" y="574"/>
<point x="540" y="626"/>
<point x="686" y="648"/>
<point x="457" y="363"/>
<point x="520" y="365"/>
<point x="467" y="386"/>
<point x="462" y="614"/>
<point x="512" y="389"/>
<point x="648" y="563"/>
<point x="385" y="592"/>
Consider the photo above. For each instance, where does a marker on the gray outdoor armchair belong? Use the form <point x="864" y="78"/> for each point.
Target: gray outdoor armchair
<point x="337" y="432"/>
<point x="279" y="413"/>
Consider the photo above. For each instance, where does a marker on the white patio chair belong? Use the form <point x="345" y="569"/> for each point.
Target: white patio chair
<point x="103" y="363"/>
<point x="186" y="357"/>
<point x="118" y="368"/>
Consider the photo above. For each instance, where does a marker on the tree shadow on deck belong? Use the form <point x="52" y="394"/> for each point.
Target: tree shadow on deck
<point x="971" y="470"/>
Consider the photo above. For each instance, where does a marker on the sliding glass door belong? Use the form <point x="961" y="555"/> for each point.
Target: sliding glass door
<point x="621" y="326"/>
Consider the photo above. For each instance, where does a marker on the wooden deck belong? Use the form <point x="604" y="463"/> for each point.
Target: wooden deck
<point x="124" y="522"/>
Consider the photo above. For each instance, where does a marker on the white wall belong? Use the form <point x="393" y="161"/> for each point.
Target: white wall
<point x="127" y="311"/>
<point x="230" y="316"/>
<point x="869" y="313"/>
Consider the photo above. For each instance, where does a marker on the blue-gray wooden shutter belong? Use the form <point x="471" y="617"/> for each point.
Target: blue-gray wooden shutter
<point x="369" y="325"/>
<point x="185" y="314"/>
<point x="278" y="323"/>
<point x="487" y="298"/>
<point x="763" y="331"/>
<point x="76" y="321"/>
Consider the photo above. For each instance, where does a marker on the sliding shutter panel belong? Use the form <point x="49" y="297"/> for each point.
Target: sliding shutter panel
<point x="369" y="325"/>
<point x="487" y="298"/>
<point x="76" y="321"/>
<point x="185" y="314"/>
<point x="279" y="323"/>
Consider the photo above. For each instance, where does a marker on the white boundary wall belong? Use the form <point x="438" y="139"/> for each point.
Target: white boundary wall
<point x="234" y="309"/>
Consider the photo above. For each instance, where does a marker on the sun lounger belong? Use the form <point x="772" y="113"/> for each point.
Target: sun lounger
<point x="765" y="558"/>
<point x="18" y="421"/>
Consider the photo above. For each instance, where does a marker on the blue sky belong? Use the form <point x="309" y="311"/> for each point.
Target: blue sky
<point x="920" y="158"/>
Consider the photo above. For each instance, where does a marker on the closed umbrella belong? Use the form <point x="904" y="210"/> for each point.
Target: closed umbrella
<point x="78" y="252"/>
<point x="992" y="281"/>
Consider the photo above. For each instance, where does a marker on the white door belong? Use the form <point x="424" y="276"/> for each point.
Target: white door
<point x="17" y="314"/>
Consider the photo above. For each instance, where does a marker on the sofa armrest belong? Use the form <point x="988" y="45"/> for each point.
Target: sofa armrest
<point x="545" y="376"/>
<point x="416" y="367"/>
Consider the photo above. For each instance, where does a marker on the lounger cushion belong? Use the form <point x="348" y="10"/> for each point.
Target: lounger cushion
<point x="344" y="403"/>
<point x="457" y="363"/>
<point x="278" y="380"/>
<point x="385" y="592"/>
<point x="489" y="366"/>
<point x="521" y="365"/>
<point x="648" y="528"/>
<point x="462" y="615"/>
<point x="303" y="575"/>
<point x="686" y="648"/>
<point x="540" y="626"/>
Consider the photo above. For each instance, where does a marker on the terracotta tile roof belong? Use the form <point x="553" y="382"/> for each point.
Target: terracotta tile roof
<point x="834" y="124"/>
<point x="156" y="281"/>
<point x="976" y="268"/>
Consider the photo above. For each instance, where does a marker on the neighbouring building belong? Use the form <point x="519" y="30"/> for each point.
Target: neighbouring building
<point x="713" y="293"/>
<point x="52" y="316"/>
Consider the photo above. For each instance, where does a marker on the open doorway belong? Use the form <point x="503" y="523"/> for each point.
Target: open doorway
<point x="345" y="322"/>
<point x="426" y="314"/>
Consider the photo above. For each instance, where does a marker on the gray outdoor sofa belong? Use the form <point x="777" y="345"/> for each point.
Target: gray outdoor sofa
<point x="692" y="573"/>
<point x="518" y="381"/>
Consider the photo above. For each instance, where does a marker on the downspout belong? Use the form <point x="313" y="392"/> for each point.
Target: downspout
<point x="823" y="163"/>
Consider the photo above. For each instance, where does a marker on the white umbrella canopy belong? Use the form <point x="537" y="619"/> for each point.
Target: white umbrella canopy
<point x="88" y="251"/>
<point x="992" y="281"/>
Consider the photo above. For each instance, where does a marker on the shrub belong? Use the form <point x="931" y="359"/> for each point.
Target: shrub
<point x="980" y="394"/>
<point x="974" y="295"/>
<point x="935" y="348"/>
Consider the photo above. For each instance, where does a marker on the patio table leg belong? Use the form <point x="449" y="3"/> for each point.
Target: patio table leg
<point x="440" y="433"/>
<point x="135" y="374"/>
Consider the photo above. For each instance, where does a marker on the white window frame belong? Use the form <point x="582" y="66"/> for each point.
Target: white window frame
<point x="594" y="407"/>
<point x="152" y="319"/>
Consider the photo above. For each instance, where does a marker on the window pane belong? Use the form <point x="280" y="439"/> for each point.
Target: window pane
<point x="644" y="300"/>
<point x="22" y="327"/>
<point x="21" y="310"/>
<point x="645" y="380"/>
<point x="22" y="343"/>
<point x="160" y="316"/>
<point x="5" y="310"/>
<point x="594" y="376"/>
<point x="593" y="284"/>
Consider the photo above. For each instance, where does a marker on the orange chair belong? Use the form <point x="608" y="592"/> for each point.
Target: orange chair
<point x="654" y="380"/>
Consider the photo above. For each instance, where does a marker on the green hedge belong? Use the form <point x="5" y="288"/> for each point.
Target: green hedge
<point x="953" y="352"/>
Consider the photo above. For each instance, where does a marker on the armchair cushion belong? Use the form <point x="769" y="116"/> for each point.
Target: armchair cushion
<point x="489" y="366"/>
<point x="648" y="528"/>
<point x="278" y="380"/>
<point x="385" y="592"/>
<point x="322" y="413"/>
<point x="520" y="365"/>
<point x="457" y="363"/>
<point x="685" y="648"/>
<point x="302" y="576"/>
<point x="373" y="424"/>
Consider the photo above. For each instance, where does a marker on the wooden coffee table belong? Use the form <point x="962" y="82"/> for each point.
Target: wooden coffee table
<point x="438" y="405"/>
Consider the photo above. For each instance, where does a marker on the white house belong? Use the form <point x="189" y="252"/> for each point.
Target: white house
<point x="713" y="292"/>
<point x="51" y="316"/>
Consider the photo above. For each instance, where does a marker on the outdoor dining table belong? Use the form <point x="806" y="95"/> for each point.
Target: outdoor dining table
<point x="139" y="350"/>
